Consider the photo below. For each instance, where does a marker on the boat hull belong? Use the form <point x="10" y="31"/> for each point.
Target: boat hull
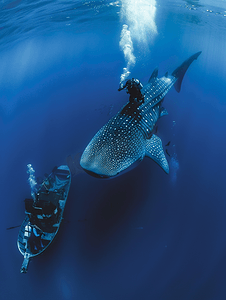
<point x="44" y="215"/>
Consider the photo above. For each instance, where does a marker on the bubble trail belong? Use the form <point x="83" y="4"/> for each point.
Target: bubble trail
<point x="126" y="46"/>
<point x="32" y="180"/>
<point x="138" y="17"/>
<point x="174" y="165"/>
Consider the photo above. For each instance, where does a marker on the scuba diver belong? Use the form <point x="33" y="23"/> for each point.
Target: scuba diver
<point x="133" y="87"/>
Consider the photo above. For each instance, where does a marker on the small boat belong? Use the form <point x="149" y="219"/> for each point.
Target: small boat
<point x="44" y="214"/>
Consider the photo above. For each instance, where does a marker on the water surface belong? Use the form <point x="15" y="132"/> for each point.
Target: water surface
<point x="143" y="235"/>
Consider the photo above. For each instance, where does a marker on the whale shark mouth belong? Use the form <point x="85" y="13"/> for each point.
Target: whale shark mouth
<point x="97" y="175"/>
<point x="104" y="176"/>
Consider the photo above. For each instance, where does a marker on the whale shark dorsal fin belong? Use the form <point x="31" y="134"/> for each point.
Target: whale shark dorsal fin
<point x="154" y="74"/>
<point x="155" y="151"/>
<point x="167" y="74"/>
<point x="181" y="70"/>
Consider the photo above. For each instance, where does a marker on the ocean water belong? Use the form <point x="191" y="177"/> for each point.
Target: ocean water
<point x="143" y="235"/>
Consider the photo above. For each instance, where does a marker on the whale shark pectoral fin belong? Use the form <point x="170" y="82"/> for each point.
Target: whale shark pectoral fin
<point x="154" y="74"/>
<point x="181" y="70"/>
<point x="163" y="112"/>
<point x="155" y="151"/>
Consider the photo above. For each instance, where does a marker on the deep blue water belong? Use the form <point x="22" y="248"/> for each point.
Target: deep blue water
<point x="143" y="235"/>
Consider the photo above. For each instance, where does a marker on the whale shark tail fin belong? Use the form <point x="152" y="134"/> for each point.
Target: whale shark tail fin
<point x="181" y="70"/>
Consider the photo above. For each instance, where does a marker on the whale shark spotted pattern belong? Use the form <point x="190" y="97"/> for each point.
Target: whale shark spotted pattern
<point x="128" y="137"/>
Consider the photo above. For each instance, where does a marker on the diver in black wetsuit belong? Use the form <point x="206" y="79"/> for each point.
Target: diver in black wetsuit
<point x="134" y="89"/>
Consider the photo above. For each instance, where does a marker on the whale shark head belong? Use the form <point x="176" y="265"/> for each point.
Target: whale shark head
<point x="112" y="151"/>
<point x="97" y="162"/>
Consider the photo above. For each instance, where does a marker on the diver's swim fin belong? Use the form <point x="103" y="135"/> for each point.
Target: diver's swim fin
<point x="181" y="70"/>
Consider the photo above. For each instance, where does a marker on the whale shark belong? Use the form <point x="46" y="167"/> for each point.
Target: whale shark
<point x="129" y="136"/>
